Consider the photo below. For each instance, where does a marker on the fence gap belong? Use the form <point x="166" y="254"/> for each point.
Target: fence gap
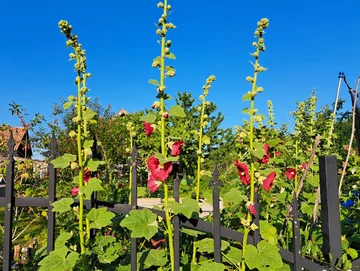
<point x="296" y="235"/>
<point x="216" y="214"/>
<point x="9" y="206"/>
<point x="93" y="197"/>
<point x="51" y="196"/>
<point x="330" y="214"/>
<point x="176" y="219"/>
<point x="134" y="154"/>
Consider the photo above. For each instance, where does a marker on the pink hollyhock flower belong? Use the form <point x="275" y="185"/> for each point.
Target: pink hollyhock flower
<point x="153" y="184"/>
<point x="266" y="157"/>
<point x="148" y="128"/>
<point x="87" y="175"/>
<point x="176" y="148"/>
<point x="75" y="191"/>
<point x="290" y="173"/>
<point x="269" y="181"/>
<point x="158" y="171"/>
<point x="252" y="209"/>
<point x="243" y="172"/>
<point x="278" y="153"/>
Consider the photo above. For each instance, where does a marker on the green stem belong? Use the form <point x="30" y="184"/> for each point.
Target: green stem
<point x="252" y="166"/>
<point x="169" y="227"/>
<point x="296" y="166"/>
<point x="80" y="158"/>
<point x="194" y="252"/>
<point x="198" y="176"/>
<point x="130" y="173"/>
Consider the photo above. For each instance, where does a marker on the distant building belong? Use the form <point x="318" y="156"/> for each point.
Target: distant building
<point x="122" y="113"/>
<point x="22" y="142"/>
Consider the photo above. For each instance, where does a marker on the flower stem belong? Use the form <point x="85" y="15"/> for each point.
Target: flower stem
<point x="169" y="227"/>
<point x="198" y="175"/>
<point x="130" y="173"/>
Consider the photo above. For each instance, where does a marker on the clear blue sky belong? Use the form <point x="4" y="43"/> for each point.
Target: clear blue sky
<point x="308" y="43"/>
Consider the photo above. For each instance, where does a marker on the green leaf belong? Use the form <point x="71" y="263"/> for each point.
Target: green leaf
<point x="62" y="239"/>
<point x="88" y="144"/>
<point x="153" y="257"/>
<point x="285" y="267"/>
<point x="192" y="232"/>
<point x="246" y="97"/>
<point x="352" y="253"/>
<point x="163" y="160"/>
<point x="63" y="161"/>
<point x="234" y="255"/>
<point x="100" y="218"/>
<point x="88" y="114"/>
<point x="234" y="196"/>
<point x="207" y="245"/>
<point x="177" y="111"/>
<point x="205" y="140"/>
<point x="59" y="260"/>
<point x="67" y="104"/>
<point x="269" y="255"/>
<point x="259" y="153"/>
<point x="63" y="205"/>
<point x="212" y="266"/>
<point x="154" y="82"/>
<point x="150" y="118"/>
<point x="139" y="222"/>
<point x="171" y="56"/>
<point x="268" y="232"/>
<point x="187" y="207"/>
<point x="93" y="164"/>
<point x="251" y="257"/>
<point x="93" y="185"/>
<point x="273" y="142"/>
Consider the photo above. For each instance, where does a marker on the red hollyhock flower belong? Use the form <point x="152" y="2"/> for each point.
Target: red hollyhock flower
<point x="290" y="173"/>
<point x="278" y="153"/>
<point x="158" y="171"/>
<point x="87" y="175"/>
<point x="176" y="148"/>
<point x="153" y="184"/>
<point x="243" y="172"/>
<point x="266" y="157"/>
<point x="269" y="181"/>
<point x="148" y="128"/>
<point x="303" y="166"/>
<point x="75" y="191"/>
<point x="252" y="209"/>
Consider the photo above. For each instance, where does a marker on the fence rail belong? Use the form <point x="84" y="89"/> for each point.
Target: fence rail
<point x="331" y="225"/>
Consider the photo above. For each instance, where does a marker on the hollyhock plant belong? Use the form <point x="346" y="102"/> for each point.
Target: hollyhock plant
<point x="266" y="157"/>
<point x="290" y="173"/>
<point x="303" y="166"/>
<point x="75" y="191"/>
<point x="252" y="209"/>
<point x="153" y="184"/>
<point x="243" y="172"/>
<point x="158" y="171"/>
<point x="176" y="148"/>
<point x="87" y="175"/>
<point x="269" y="181"/>
<point x="149" y="129"/>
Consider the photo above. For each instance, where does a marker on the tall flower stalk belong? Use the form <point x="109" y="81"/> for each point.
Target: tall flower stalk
<point x="260" y="47"/>
<point x="202" y="139"/>
<point x="81" y="121"/>
<point x="131" y="128"/>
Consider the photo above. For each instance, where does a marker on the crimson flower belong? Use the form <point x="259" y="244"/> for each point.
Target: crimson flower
<point x="243" y="172"/>
<point x="153" y="184"/>
<point x="252" y="209"/>
<point x="87" y="175"/>
<point x="148" y="128"/>
<point x="266" y="157"/>
<point x="75" y="191"/>
<point x="176" y="148"/>
<point x="269" y="181"/>
<point x="290" y="173"/>
<point x="158" y="171"/>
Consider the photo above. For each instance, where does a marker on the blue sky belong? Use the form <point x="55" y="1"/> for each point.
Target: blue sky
<point x="308" y="43"/>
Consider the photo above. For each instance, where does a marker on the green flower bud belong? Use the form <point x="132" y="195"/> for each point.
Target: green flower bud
<point x="257" y="118"/>
<point x="250" y="79"/>
<point x="168" y="7"/>
<point x="160" y="5"/>
<point x="158" y="32"/>
<point x="168" y="43"/>
<point x="161" y="89"/>
<point x="170" y="26"/>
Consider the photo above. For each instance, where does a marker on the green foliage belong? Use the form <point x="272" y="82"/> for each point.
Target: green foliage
<point x="140" y="222"/>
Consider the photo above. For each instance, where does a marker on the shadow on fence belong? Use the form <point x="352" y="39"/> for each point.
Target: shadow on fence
<point x="331" y="225"/>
